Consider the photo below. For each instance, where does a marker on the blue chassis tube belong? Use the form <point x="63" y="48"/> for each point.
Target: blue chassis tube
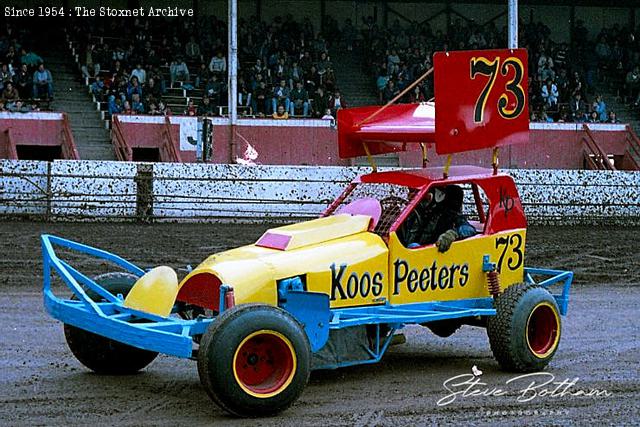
<point x="173" y="335"/>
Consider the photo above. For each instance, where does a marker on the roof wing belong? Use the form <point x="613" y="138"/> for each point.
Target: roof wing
<point x="482" y="103"/>
<point x="389" y="131"/>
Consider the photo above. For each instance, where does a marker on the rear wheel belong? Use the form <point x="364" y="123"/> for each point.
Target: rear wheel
<point x="103" y="355"/>
<point x="254" y="360"/>
<point x="525" y="332"/>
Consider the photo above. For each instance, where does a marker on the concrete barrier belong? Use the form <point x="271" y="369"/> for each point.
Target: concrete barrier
<point x="105" y="191"/>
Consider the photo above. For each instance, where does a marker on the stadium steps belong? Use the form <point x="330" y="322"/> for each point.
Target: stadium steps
<point x="358" y="89"/>
<point x="71" y="96"/>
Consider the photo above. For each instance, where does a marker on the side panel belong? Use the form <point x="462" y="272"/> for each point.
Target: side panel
<point x="424" y="274"/>
<point x="353" y="272"/>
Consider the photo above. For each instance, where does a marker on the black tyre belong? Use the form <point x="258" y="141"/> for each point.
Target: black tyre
<point x="103" y="355"/>
<point x="525" y="332"/>
<point x="444" y="328"/>
<point x="254" y="360"/>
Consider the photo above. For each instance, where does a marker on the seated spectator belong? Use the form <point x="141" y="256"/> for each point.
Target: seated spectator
<point x="191" y="109"/>
<point x="206" y="108"/>
<point x="320" y="102"/>
<point x="97" y="87"/>
<point x="153" y="89"/>
<point x="10" y="94"/>
<point x="601" y="108"/>
<point x="593" y="117"/>
<point x="136" y="104"/>
<point x="23" y="81"/>
<point x="218" y="64"/>
<point x="280" y="113"/>
<point x="244" y="93"/>
<point x="19" y="107"/>
<point x="178" y="72"/>
<point x="550" y="93"/>
<point x="299" y="100"/>
<point x="544" y="117"/>
<point x="281" y="97"/>
<point x="139" y="73"/>
<point x="153" y="110"/>
<point x="336" y="102"/>
<point x="126" y="109"/>
<point x="327" y="115"/>
<point x="578" y="108"/>
<point x="42" y="83"/>
<point x="90" y="68"/>
<point x="214" y="89"/>
<point x="31" y="59"/>
<point x="613" y="118"/>
<point x="134" y="88"/>
<point x="114" y="105"/>
<point x="203" y="75"/>
<point x="192" y="49"/>
<point x="163" y="109"/>
<point x="390" y="91"/>
<point x="260" y="100"/>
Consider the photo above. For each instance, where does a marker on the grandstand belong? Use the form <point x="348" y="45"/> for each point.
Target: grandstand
<point x="141" y="89"/>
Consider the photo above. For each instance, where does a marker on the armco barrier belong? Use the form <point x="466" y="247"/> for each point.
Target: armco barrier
<point x="101" y="191"/>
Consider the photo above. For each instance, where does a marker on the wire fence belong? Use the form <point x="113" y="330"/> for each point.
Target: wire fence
<point x="127" y="191"/>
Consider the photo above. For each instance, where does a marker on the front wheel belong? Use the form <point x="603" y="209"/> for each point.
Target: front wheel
<point x="525" y="332"/>
<point x="254" y="360"/>
<point x="104" y="355"/>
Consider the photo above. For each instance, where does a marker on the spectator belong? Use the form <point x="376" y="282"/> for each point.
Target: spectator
<point x="601" y="108"/>
<point x="90" y="68"/>
<point x="178" y="71"/>
<point x="550" y="93"/>
<point x="327" y="115"/>
<point x="280" y="113"/>
<point x="218" y="64"/>
<point x="390" y="91"/>
<point x="153" y="110"/>
<point x="42" y="83"/>
<point x="281" y="96"/>
<point x="191" y="109"/>
<point x="336" y="102"/>
<point x="578" y="109"/>
<point x="593" y="117"/>
<point x="126" y="108"/>
<point x="633" y="84"/>
<point x="134" y="88"/>
<point x="613" y="118"/>
<point x="24" y="82"/>
<point x="97" y="87"/>
<point x="163" y="109"/>
<point x="320" y="102"/>
<point x="10" y="94"/>
<point x="19" y="107"/>
<point x="203" y="76"/>
<point x="30" y="59"/>
<point x="114" y="105"/>
<point x="214" y="89"/>
<point x="192" y="49"/>
<point x="136" y="104"/>
<point x="139" y="73"/>
<point x="299" y="100"/>
<point x="206" y="108"/>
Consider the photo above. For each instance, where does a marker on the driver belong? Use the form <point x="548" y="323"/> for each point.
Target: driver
<point x="439" y="220"/>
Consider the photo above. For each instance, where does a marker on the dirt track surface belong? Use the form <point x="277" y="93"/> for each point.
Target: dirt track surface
<point x="42" y="384"/>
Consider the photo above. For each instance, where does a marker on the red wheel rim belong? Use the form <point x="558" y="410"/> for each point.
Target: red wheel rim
<point x="543" y="330"/>
<point x="264" y="363"/>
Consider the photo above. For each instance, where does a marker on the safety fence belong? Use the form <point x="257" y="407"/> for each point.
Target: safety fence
<point x="128" y="191"/>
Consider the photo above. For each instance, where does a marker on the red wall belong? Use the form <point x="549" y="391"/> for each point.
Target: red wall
<point x="302" y="145"/>
<point x="33" y="132"/>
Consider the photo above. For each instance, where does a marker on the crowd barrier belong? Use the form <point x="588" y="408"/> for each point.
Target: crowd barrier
<point x="128" y="191"/>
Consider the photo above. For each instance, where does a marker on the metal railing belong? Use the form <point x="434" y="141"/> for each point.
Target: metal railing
<point x="12" y="152"/>
<point x="633" y="147"/>
<point x="69" y="150"/>
<point x="168" y="151"/>
<point x="595" y="158"/>
<point x="122" y="150"/>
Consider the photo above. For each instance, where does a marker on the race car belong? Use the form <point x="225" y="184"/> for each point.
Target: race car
<point x="333" y="291"/>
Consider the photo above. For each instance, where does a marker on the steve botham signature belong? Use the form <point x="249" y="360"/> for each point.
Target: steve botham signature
<point x="525" y="388"/>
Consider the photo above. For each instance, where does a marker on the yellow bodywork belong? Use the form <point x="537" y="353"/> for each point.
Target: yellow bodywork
<point x="338" y="256"/>
<point x="155" y="292"/>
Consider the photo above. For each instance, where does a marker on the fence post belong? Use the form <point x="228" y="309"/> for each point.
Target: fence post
<point x="144" y="192"/>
